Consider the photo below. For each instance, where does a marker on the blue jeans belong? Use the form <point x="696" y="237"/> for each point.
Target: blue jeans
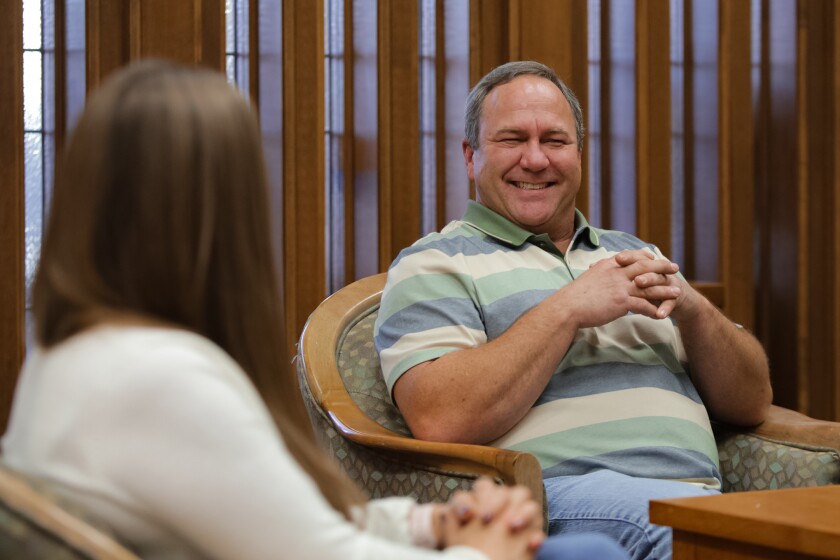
<point x="590" y="546"/>
<point x="616" y="505"/>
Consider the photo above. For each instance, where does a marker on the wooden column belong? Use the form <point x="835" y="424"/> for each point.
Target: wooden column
<point x="736" y="169"/>
<point x="818" y="137"/>
<point x="303" y="162"/>
<point x="12" y="297"/>
<point x="399" y="128"/>
<point x="653" y="123"/>
<point x="190" y="32"/>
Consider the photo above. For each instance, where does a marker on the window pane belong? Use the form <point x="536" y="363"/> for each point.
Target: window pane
<point x="32" y="118"/>
<point x="34" y="201"/>
<point x="32" y="24"/>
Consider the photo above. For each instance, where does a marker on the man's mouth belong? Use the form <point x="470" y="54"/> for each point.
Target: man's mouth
<point x="530" y="186"/>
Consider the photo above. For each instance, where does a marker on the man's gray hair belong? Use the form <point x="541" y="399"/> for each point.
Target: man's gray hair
<point x="504" y="74"/>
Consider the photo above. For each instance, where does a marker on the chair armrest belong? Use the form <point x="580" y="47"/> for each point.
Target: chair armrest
<point x="783" y="424"/>
<point x="511" y="467"/>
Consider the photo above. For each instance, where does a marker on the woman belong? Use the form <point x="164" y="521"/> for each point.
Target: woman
<point x="159" y="397"/>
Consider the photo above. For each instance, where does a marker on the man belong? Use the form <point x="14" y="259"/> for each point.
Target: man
<point x="522" y="326"/>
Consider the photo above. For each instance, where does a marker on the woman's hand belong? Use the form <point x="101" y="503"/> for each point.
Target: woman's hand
<point x="501" y="521"/>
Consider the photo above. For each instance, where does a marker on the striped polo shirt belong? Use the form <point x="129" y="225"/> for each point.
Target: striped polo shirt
<point x="621" y="399"/>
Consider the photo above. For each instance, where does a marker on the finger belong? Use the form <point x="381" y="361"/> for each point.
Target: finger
<point x="535" y="541"/>
<point x="527" y="514"/>
<point x="665" y="308"/>
<point x="490" y="498"/>
<point x="649" y="279"/>
<point x="642" y="306"/>
<point x="648" y="269"/>
<point x="628" y="257"/>
<point x="462" y="506"/>
<point x="658" y="294"/>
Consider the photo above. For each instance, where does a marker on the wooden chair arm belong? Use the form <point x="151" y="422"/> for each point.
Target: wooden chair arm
<point x="784" y="424"/>
<point x="512" y="467"/>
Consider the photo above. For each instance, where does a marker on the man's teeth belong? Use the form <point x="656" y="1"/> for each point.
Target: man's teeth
<point x="530" y="186"/>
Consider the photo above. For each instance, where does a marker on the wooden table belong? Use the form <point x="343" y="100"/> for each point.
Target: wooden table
<point x="770" y="524"/>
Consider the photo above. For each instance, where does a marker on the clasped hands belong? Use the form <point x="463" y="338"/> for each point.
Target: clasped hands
<point x="503" y="522"/>
<point x="630" y="281"/>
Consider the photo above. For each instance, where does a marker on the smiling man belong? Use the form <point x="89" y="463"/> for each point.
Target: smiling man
<point x="522" y="326"/>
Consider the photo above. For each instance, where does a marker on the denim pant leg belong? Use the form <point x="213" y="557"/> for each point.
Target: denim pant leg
<point x="616" y="505"/>
<point x="585" y="546"/>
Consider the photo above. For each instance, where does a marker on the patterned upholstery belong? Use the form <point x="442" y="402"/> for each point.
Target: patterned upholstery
<point x="751" y="462"/>
<point x="376" y="472"/>
<point x="748" y="461"/>
<point x="25" y="536"/>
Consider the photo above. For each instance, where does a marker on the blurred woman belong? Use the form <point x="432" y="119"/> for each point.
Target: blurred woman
<point x="159" y="397"/>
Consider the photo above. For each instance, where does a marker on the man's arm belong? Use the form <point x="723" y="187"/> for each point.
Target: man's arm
<point x="478" y="394"/>
<point x="728" y="365"/>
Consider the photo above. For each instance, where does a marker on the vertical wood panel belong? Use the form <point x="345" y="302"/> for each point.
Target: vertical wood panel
<point x="399" y="128"/>
<point x="12" y="298"/>
<point x="119" y="32"/>
<point x="653" y="123"/>
<point x="440" y="116"/>
<point x="778" y="179"/>
<point x="554" y="32"/>
<point x="688" y="265"/>
<point x="489" y="36"/>
<point x="348" y="144"/>
<point x="606" y="122"/>
<point x="835" y="180"/>
<point x="303" y="155"/>
<point x="253" y="50"/>
<point x="817" y="137"/>
<point x="736" y="156"/>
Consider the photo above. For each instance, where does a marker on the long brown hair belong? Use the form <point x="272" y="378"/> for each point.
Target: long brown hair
<point x="162" y="214"/>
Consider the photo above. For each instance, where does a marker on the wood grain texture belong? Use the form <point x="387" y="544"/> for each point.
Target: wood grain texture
<point x="736" y="170"/>
<point x="399" y="128"/>
<point x="303" y="162"/>
<point x="791" y="523"/>
<point x="653" y="123"/>
<point x="12" y="296"/>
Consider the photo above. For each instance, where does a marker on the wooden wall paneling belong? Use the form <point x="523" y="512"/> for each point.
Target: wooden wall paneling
<point x="554" y="32"/>
<point x="605" y="102"/>
<point x="653" y="123"/>
<point x="777" y="179"/>
<point x="688" y="265"/>
<point x="440" y="116"/>
<point x="253" y="50"/>
<point x="12" y="296"/>
<point x="735" y="168"/>
<point x="119" y="32"/>
<point x="817" y="138"/>
<point x="835" y="88"/>
<point x="107" y="39"/>
<point x="399" y="128"/>
<point x="489" y="36"/>
<point x="303" y="156"/>
<point x="348" y="157"/>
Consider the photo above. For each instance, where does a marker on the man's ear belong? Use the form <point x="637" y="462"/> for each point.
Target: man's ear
<point x="468" y="158"/>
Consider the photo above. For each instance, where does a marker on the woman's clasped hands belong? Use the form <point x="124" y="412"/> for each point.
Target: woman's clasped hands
<point x="503" y="522"/>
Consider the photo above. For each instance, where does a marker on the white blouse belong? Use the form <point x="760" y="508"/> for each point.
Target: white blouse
<point x="162" y="435"/>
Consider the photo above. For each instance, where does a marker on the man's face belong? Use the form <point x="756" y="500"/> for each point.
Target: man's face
<point x="527" y="166"/>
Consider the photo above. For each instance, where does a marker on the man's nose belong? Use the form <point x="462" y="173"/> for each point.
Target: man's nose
<point x="533" y="156"/>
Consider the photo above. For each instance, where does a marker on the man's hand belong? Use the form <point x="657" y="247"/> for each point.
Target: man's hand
<point x="630" y="281"/>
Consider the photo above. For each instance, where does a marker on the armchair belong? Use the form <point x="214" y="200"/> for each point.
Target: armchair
<point x="35" y="523"/>
<point x="357" y="423"/>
